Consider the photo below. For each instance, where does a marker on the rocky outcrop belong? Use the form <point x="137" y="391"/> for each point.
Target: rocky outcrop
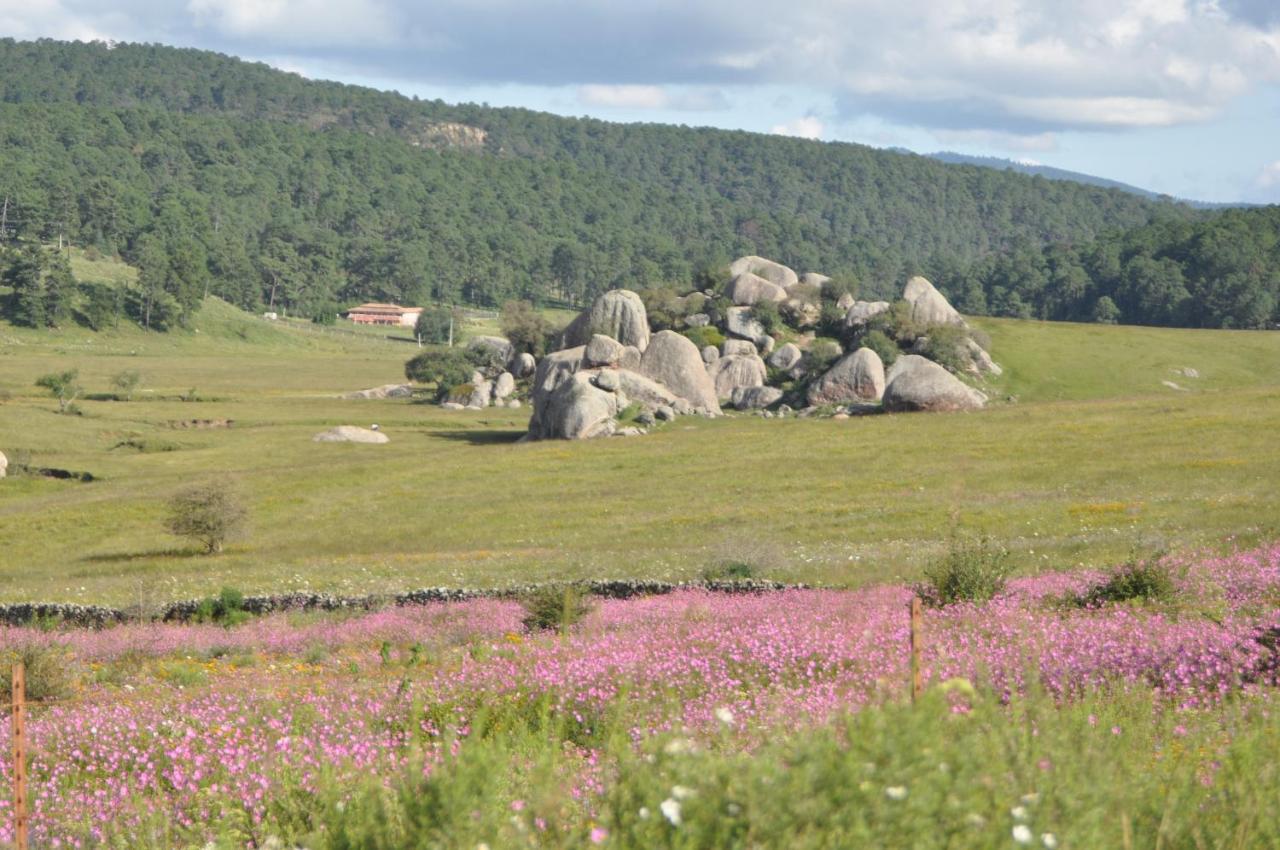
<point x="675" y="362"/>
<point x="787" y="357"/>
<point x="916" y="383"/>
<point x="384" y="391"/>
<point x="351" y="434"/>
<point x="861" y="312"/>
<point x="740" y="323"/>
<point x="775" y="273"/>
<point x="801" y="313"/>
<point x="576" y="409"/>
<point x="980" y="361"/>
<point x="602" y="350"/>
<point x="855" y="377"/>
<point x="497" y="349"/>
<point x="522" y="365"/>
<point x="736" y="371"/>
<point x="755" y="398"/>
<point x="747" y="289"/>
<point x="553" y="370"/>
<point x="618" y="314"/>
<point x="928" y="306"/>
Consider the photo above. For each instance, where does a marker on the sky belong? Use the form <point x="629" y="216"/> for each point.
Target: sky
<point x="1175" y="96"/>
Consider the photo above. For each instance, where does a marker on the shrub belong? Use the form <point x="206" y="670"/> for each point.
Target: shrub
<point x="526" y="328"/>
<point x="49" y="672"/>
<point x="226" y="608"/>
<point x="434" y="325"/>
<point x="63" y="387"/>
<point x="208" y="513"/>
<point x="948" y="346"/>
<point x="839" y="286"/>
<point x="729" y="571"/>
<point x="445" y="368"/>
<point x="971" y="571"/>
<point x="877" y="341"/>
<point x="703" y="337"/>
<point x="124" y="383"/>
<point x="897" y="324"/>
<point x="1136" y="580"/>
<point x="554" y="608"/>
<point x="822" y="353"/>
<point x="766" y="313"/>
<point x="663" y="307"/>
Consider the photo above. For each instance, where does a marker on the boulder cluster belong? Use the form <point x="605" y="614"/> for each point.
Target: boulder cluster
<point x="616" y="374"/>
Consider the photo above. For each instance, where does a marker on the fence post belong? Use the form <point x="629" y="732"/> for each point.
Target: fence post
<point x="917" y="675"/>
<point x="19" y="756"/>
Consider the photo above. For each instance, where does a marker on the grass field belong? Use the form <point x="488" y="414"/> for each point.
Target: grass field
<point x="1094" y="459"/>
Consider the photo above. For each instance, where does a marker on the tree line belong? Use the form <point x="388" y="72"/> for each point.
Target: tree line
<point x="216" y="176"/>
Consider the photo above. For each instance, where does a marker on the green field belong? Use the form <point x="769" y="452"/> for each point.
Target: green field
<point x="1096" y="457"/>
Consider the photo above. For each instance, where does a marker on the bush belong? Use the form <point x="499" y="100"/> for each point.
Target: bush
<point x="445" y="368"/>
<point x="126" y="382"/>
<point x="63" y="387"/>
<point x="878" y="342"/>
<point x="839" y="286"/>
<point x="663" y="307"/>
<point x="434" y="325"/>
<point x="208" y="513"/>
<point x="897" y="324"/>
<point x="49" y="672"/>
<point x="554" y="608"/>
<point x="972" y="571"/>
<point x="948" y="346"/>
<point x="526" y="328"/>
<point x="703" y="337"/>
<point x="822" y="353"/>
<point x="227" y="608"/>
<point x="766" y="313"/>
<point x="1136" y="580"/>
<point x="729" y="571"/>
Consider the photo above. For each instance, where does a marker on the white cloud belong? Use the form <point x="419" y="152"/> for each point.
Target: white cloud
<point x="805" y="127"/>
<point x="362" y="23"/>
<point x="650" y="97"/>
<point x="1040" y="142"/>
<point x="1269" y="176"/>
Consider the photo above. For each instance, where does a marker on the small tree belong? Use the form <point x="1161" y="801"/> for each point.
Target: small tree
<point x="434" y="325"/>
<point x="209" y="513"/>
<point x="126" y="382"/>
<point x="63" y="387"/>
<point x="525" y="327"/>
<point x="446" y="369"/>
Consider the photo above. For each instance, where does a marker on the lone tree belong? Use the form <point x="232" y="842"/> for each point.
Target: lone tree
<point x="126" y="382"/>
<point x="209" y="513"/>
<point x="63" y="387"/>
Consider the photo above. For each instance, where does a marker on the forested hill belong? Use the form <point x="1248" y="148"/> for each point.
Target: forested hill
<point x="219" y="175"/>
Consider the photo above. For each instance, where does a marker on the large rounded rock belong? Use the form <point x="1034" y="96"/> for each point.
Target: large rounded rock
<point x="576" y="410"/>
<point x="855" y="377"/>
<point x="675" y="362"/>
<point x="748" y="289"/>
<point x="917" y="383"/>
<point x="861" y="312"/>
<point x="522" y="365"/>
<point x="552" y="371"/>
<point x="645" y="391"/>
<point x="618" y="314"/>
<point x="351" y="434"/>
<point x="602" y="350"/>
<point x="503" y="386"/>
<point x="755" y="398"/>
<point x="928" y="306"/>
<point x="740" y="323"/>
<point x="735" y="371"/>
<point x="814" y="279"/>
<point x="787" y="357"/>
<point x="497" y="349"/>
<point x="775" y="273"/>
<point x="710" y="354"/>
<point x="630" y="358"/>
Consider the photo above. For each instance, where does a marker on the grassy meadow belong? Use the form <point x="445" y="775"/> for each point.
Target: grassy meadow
<point x="1096" y="457"/>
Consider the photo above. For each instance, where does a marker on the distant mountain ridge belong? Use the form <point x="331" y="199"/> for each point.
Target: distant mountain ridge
<point x="1050" y="173"/>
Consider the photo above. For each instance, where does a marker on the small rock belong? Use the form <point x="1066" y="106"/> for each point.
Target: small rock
<point x="607" y="380"/>
<point x="786" y="357"/>
<point x="603" y="351"/>
<point x="450" y="405"/>
<point x="664" y="414"/>
<point x="522" y="365"/>
<point x="710" y="355"/>
<point x="350" y="434"/>
<point x="697" y="320"/>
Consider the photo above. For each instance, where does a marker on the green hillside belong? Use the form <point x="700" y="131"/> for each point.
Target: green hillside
<point x="269" y="186"/>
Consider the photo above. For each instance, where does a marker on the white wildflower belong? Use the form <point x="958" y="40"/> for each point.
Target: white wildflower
<point x="1019" y="813"/>
<point x="896" y="792"/>
<point x="1022" y="834"/>
<point x="677" y="746"/>
<point x="724" y="715"/>
<point x="1049" y="840"/>
<point x="680" y="792"/>
<point x="643" y="813"/>
<point x="671" y="811"/>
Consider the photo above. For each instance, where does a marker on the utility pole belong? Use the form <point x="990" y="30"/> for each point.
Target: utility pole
<point x="4" y="220"/>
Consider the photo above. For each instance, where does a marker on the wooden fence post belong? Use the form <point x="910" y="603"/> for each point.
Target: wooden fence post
<point x="19" y="756"/>
<point x="917" y="675"/>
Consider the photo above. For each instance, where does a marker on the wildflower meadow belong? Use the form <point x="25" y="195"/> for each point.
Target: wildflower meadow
<point x="692" y="719"/>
